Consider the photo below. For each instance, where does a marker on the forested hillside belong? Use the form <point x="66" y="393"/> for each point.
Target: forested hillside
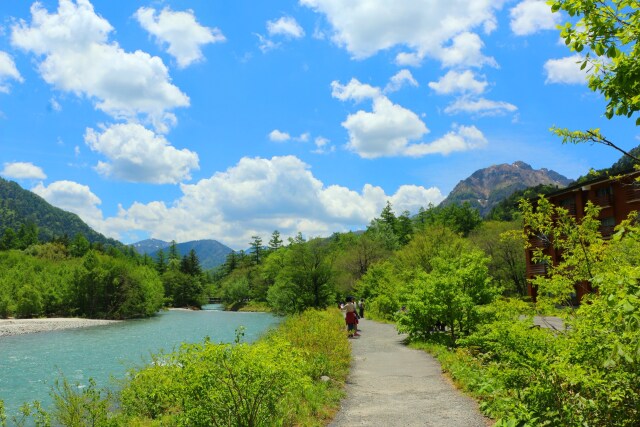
<point x="19" y="207"/>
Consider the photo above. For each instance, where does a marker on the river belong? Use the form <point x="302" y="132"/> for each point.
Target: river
<point x="30" y="363"/>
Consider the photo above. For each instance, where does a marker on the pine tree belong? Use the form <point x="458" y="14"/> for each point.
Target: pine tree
<point x="276" y="242"/>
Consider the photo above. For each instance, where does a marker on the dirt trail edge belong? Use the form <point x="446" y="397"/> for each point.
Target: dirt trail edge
<point x="393" y="385"/>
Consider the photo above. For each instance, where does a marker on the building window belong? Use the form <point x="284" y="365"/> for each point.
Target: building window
<point x="606" y="226"/>
<point x="604" y="196"/>
<point x="569" y="203"/>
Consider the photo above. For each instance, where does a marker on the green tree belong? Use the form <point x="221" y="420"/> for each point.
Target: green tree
<point x="9" y="239"/>
<point x="450" y="294"/>
<point x="190" y="264"/>
<point x="306" y="280"/>
<point x="608" y="30"/>
<point x="161" y="262"/>
<point x="607" y="33"/>
<point x="27" y="235"/>
<point x="504" y="244"/>
<point x="79" y="246"/>
<point x="256" y="249"/>
<point x="276" y="242"/>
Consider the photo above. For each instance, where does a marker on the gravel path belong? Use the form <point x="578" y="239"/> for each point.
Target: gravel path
<point x="393" y="385"/>
<point x="27" y="326"/>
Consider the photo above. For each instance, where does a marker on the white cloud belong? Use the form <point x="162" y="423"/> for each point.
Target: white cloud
<point x="55" y="105"/>
<point x="399" y="80"/>
<point x="304" y="137"/>
<point x="265" y="44"/>
<point x="180" y="31"/>
<point x="73" y="197"/>
<point x="279" y="136"/>
<point x="391" y="130"/>
<point x="480" y="106"/>
<point x="458" y="82"/>
<point x="385" y="131"/>
<point x="566" y="70"/>
<point x="465" y="50"/>
<point x="422" y="27"/>
<point x="259" y="195"/>
<point x="22" y="170"/>
<point x="8" y="71"/>
<point x="285" y="26"/>
<point x="78" y="58"/>
<point x="136" y="154"/>
<point x="323" y="145"/>
<point x="462" y="138"/>
<point x="354" y="90"/>
<point x="531" y="16"/>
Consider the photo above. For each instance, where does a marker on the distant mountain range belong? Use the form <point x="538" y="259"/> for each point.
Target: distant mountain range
<point x="487" y="187"/>
<point x="19" y="206"/>
<point x="211" y="253"/>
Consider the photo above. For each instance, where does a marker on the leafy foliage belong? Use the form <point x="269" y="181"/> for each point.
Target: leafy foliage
<point x="607" y="31"/>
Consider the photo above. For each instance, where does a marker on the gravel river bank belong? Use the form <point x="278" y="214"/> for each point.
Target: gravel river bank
<point x="27" y="326"/>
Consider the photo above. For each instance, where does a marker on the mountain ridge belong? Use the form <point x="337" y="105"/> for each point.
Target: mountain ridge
<point x="486" y="187"/>
<point x="210" y="252"/>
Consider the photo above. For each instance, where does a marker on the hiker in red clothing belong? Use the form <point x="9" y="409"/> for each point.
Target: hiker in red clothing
<point x="351" y="318"/>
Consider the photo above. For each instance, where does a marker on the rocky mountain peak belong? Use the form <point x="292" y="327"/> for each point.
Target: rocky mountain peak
<point x="486" y="187"/>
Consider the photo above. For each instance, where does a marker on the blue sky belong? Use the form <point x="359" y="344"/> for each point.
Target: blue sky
<point x="203" y="119"/>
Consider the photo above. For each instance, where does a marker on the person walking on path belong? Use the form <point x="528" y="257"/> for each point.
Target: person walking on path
<point x="361" y="308"/>
<point x="351" y="318"/>
<point x="392" y="385"/>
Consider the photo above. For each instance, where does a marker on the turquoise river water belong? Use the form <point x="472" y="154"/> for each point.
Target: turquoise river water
<point x="30" y="363"/>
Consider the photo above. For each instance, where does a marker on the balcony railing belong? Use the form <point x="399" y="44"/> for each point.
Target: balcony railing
<point x="632" y="193"/>
<point x="537" y="269"/>
<point x="538" y="242"/>
<point x="603" y="201"/>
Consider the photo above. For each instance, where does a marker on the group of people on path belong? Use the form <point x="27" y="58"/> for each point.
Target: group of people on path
<point x="353" y="311"/>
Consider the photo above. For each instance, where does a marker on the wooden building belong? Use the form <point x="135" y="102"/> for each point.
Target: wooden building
<point x="616" y="197"/>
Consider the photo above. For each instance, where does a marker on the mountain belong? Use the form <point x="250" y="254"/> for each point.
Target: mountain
<point x="487" y="187"/>
<point x="211" y="253"/>
<point x="19" y="206"/>
<point x="150" y="246"/>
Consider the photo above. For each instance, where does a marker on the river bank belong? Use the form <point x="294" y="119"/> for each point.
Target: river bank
<point x="10" y="327"/>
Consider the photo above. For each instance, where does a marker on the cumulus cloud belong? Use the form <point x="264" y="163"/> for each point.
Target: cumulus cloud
<point x="354" y="90"/>
<point x="260" y="195"/>
<point x="279" y="136"/>
<point x="423" y="28"/>
<point x="8" y="71"/>
<point x="137" y="154"/>
<point x="22" y="170"/>
<point x="480" y="106"/>
<point x="531" y="16"/>
<point x="461" y="138"/>
<point x="77" y="57"/>
<point x="73" y="197"/>
<point x="385" y="131"/>
<point x="465" y="50"/>
<point x="285" y="26"/>
<point x="323" y="145"/>
<point x="458" y="82"/>
<point x="390" y="130"/>
<point x="399" y="80"/>
<point x="566" y="70"/>
<point x="180" y="31"/>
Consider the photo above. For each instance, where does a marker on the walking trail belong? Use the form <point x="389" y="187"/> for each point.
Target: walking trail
<point x="393" y="385"/>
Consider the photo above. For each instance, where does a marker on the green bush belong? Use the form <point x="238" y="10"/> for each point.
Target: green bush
<point x="272" y="382"/>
